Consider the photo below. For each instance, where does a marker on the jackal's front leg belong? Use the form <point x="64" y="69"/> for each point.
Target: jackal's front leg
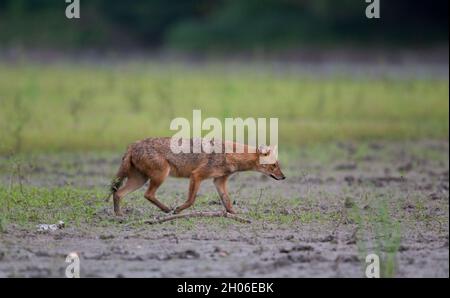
<point x="221" y="186"/>
<point x="193" y="189"/>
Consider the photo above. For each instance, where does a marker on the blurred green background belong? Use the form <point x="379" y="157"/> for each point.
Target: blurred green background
<point x="127" y="68"/>
<point x="220" y="24"/>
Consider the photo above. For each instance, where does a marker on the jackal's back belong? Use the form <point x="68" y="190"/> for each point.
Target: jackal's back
<point x="154" y="153"/>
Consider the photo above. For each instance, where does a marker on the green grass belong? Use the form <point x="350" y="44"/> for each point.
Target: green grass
<point x="27" y="206"/>
<point x="73" y="107"/>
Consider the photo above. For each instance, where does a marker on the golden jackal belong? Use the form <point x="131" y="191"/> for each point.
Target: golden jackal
<point x="153" y="159"/>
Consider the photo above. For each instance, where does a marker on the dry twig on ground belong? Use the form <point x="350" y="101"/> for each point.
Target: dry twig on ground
<point x="198" y="214"/>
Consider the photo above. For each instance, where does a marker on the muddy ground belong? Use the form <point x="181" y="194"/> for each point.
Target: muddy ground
<point x="308" y="225"/>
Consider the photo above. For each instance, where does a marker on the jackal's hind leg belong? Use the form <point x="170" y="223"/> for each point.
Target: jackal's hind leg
<point x="135" y="181"/>
<point x="156" y="179"/>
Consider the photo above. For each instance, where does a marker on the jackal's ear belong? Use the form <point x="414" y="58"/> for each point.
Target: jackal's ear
<point x="264" y="150"/>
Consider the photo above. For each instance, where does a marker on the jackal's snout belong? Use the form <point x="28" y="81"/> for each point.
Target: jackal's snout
<point x="272" y="170"/>
<point x="277" y="174"/>
<point x="282" y="177"/>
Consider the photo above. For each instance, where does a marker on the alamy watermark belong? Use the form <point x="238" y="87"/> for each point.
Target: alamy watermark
<point x="73" y="269"/>
<point x="373" y="266"/>
<point x="73" y="9"/>
<point x="219" y="140"/>
<point x="373" y="9"/>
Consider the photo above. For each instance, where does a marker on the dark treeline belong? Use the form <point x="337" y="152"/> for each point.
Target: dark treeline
<point x="221" y="24"/>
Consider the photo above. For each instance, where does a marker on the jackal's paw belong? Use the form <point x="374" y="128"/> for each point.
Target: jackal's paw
<point x="167" y="211"/>
<point x="118" y="213"/>
<point x="176" y="210"/>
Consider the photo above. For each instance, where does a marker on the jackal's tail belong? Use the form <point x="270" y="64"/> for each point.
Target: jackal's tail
<point x="122" y="173"/>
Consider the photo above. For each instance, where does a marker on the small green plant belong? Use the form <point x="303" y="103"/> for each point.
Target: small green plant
<point x="16" y="115"/>
<point x="378" y="232"/>
<point x="4" y="208"/>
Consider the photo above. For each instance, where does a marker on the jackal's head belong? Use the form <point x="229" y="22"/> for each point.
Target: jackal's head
<point x="268" y="163"/>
